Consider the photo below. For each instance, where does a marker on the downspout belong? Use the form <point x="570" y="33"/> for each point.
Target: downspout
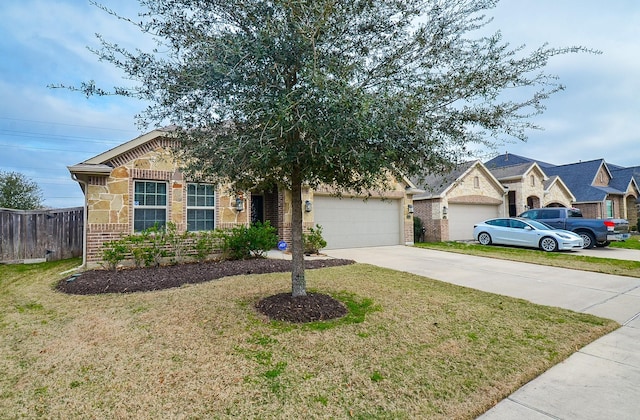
<point x="85" y="222"/>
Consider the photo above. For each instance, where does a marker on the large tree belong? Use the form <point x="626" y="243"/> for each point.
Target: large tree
<point x="291" y="93"/>
<point x="19" y="192"/>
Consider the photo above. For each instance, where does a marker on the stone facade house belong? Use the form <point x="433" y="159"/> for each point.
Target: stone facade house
<point x="599" y="190"/>
<point x="453" y="202"/>
<point x="137" y="184"/>
<point x="529" y="187"/>
<point x="508" y="185"/>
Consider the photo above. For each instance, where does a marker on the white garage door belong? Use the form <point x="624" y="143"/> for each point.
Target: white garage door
<point x="462" y="217"/>
<point x="352" y="222"/>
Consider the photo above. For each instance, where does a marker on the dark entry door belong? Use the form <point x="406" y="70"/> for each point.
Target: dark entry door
<point x="257" y="208"/>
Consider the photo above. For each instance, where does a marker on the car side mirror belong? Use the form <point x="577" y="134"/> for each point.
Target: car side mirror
<point x="528" y="228"/>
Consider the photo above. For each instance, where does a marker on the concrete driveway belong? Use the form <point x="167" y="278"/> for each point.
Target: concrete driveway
<point x="600" y="381"/>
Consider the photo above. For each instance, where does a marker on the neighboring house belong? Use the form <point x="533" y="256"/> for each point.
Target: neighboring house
<point x="529" y="187"/>
<point x="454" y="202"/>
<point x="598" y="193"/>
<point x="628" y="180"/>
<point x="599" y="190"/>
<point x="507" y="185"/>
<point x="137" y="184"/>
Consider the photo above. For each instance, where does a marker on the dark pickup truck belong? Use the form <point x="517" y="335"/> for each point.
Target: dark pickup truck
<point x="594" y="232"/>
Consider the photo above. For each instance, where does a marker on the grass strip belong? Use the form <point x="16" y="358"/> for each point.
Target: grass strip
<point x="534" y="256"/>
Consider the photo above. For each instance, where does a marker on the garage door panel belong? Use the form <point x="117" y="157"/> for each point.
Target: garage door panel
<point x="462" y="217"/>
<point x="349" y="223"/>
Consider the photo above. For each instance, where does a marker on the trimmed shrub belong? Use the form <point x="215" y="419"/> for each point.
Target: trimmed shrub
<point x="113" y="253"/>
<point x="313" y="241"/>
<point x="242" y="242"/>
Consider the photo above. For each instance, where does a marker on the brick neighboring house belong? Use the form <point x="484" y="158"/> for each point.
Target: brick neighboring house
<point x="509" y="184"/>
<point x="138" y="183"/>
<point x="455" y="201"/>
<point x="601" y="190"/>
<point x="628" y="180"/>
<point x="591" y="183"/>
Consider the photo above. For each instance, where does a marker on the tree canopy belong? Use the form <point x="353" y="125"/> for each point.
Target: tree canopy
<point x="337" y="92"/>
<point x="19" y="192"/>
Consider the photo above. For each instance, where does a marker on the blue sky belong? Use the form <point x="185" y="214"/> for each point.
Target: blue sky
<point x="43" y="42"/>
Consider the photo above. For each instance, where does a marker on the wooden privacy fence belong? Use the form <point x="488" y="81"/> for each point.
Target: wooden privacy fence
<point x="40" y="234"/>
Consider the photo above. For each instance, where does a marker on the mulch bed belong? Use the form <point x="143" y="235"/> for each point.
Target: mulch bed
<point x="284" y="307"/>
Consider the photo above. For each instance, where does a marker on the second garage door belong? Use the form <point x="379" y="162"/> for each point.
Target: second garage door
<point x="352" y="222"/>
<point x="462" y="217"/>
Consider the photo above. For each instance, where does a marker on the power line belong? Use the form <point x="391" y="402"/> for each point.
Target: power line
<point x="44" y="148"/>
<point x="27" y="134"/>
<point x="64" y="124"/>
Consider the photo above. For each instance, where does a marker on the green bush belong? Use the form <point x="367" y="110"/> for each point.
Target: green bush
<point x="179" y="243"/>
<point x="113" y="253"/>
<point x="135" y="246"/>
<point x="242" y="242"/>
<point x="204" y="244"/>
<point x="313" y="241"/>
<point x="154" y="240"/>
<point x="153" y="245"/>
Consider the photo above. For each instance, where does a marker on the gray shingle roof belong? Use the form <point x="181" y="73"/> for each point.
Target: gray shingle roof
<point x="436" y="184"/>
<point x="509" y="159"/>
<point x="580" y="176"/>
<point x="506" y="172"/>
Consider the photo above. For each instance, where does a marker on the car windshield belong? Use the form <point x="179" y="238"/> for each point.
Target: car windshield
<point x="540" y="225"/>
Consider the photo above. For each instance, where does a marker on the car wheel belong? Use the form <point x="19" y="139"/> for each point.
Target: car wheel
<point x="484" y="238"/>
<point x="589" y="240"/>
<point x="602" y="244"/>
<point x="548" y="244"/>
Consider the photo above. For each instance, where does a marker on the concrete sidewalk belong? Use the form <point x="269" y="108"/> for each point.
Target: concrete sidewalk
<point x="600" y="381"/>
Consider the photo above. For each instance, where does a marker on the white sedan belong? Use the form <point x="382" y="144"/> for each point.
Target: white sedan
<point x="524" y="232"/>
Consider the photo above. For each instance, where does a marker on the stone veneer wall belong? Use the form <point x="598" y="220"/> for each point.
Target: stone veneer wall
<point x="556" y="195"/>
<point x="110" y="198"/>
<point x="285" y="210"/>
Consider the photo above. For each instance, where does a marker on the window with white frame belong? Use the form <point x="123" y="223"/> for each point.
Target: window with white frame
<point x="201" y="203"/>
<point x="149" y="204"/>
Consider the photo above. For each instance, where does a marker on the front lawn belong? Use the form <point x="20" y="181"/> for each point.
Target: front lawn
<point x="410" y="347"/>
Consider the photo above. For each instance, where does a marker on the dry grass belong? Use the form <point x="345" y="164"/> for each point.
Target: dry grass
<point x="419" y="349"/>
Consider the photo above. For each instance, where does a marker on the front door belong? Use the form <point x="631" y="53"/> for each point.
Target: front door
<point x="257" y="208"/>
<point x="513" y="211"/>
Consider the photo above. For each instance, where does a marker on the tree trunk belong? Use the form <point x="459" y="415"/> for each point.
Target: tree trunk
<point x="298" y="282"/>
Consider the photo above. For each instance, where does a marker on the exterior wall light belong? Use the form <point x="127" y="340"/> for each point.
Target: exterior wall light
<point x="308" y="206"/>
<point x="239" y="204"/>
<point x="445" y="211"/>
<point x="410" y="208"/>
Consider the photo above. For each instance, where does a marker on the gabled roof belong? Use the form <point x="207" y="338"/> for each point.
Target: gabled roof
<point x="553" y="180"/>
<point x="580" y="176"/>
<point x="509" y="159"/>
<point x="622" y="177"/>
<point x="516" y="172"/>
<point x="102" y="164"/>
<point x="437" y="185"/>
